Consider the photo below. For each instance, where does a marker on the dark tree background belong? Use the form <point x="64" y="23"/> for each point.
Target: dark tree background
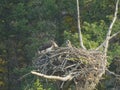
<point x="27" y="24"/>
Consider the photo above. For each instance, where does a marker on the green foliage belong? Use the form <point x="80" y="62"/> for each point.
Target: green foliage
<point x="114" y="51"/>
<point x="27" y="24"/>
<point x="3" y="70"/>
<point x="94" y="33"/>
<point x="95" y="10"/>
<point x="38" y="85"/>
<point x="72" y="37"/>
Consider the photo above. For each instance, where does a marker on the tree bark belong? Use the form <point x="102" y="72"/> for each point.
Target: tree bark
<point x="79" y="28"/>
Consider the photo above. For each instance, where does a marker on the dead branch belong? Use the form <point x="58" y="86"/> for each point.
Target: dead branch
<point x="66" y="78"/>
<point x="110" y="29"/>
<point x="79" y="28"/>
<point x="115" y="34"/>
<point x="112" y="73"/>
<point x="103" y="44"/>
<point x="24" y="76"/>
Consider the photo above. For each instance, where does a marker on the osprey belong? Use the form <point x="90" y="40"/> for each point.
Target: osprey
<point x="68" y="43"/>
<point x="47" y="47"/>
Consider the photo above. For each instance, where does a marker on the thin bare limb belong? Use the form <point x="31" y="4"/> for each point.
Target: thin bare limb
<point x="79" y="28"/>
<point x="115" y="34"/>
<point x="24" y="76"/>
<point x="66" y="78"/>
<point x="102" y="45"/>
<point x="112" y="73"/>
<point x="110" y="28"/>
<point x="108" y="36"/>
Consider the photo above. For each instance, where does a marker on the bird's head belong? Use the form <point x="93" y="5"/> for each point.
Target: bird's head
<point x="68" y="42"/>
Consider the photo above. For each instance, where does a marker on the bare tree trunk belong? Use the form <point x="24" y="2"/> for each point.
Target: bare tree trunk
<point x="79" y="28"/>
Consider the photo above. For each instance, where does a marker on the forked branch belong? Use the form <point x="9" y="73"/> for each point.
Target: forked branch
<point x="108" y="36"/>
<point x="110" y="28"/>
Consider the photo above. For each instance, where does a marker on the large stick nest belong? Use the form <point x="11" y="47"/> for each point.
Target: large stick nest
<point x="86" y="67"/>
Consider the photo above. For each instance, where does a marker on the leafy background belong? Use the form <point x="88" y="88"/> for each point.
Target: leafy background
<point x="27" y="24"/>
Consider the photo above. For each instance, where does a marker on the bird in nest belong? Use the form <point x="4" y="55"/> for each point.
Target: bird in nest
<point x="68" y="43"/>
<point x="48" y="47"/>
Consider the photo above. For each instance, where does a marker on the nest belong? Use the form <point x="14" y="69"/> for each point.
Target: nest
<point x="86" y="67"/>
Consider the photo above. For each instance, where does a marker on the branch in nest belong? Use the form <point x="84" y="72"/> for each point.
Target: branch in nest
<point x="66" y="78"/>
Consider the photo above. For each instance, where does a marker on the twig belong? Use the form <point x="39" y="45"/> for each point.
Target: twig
<point x="24" y="76"/>
<point x="58" y="54"/>
<point x="112" y="73"/>
<point x="79" y="28"/>
<point x="115" y="34"/>
<point x="70" y="66"/>
<point x="110" y="29"/>
<point x="66" y="78"/>
<point x="62" y="84"/>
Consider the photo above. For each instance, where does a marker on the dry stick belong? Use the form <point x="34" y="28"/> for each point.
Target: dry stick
<point x="24" y="76"/>
<point x="79" y="28"/>
<point x="115" y="34"/>
<point x="68" y="77"/>
<point x="112" y="73"/>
